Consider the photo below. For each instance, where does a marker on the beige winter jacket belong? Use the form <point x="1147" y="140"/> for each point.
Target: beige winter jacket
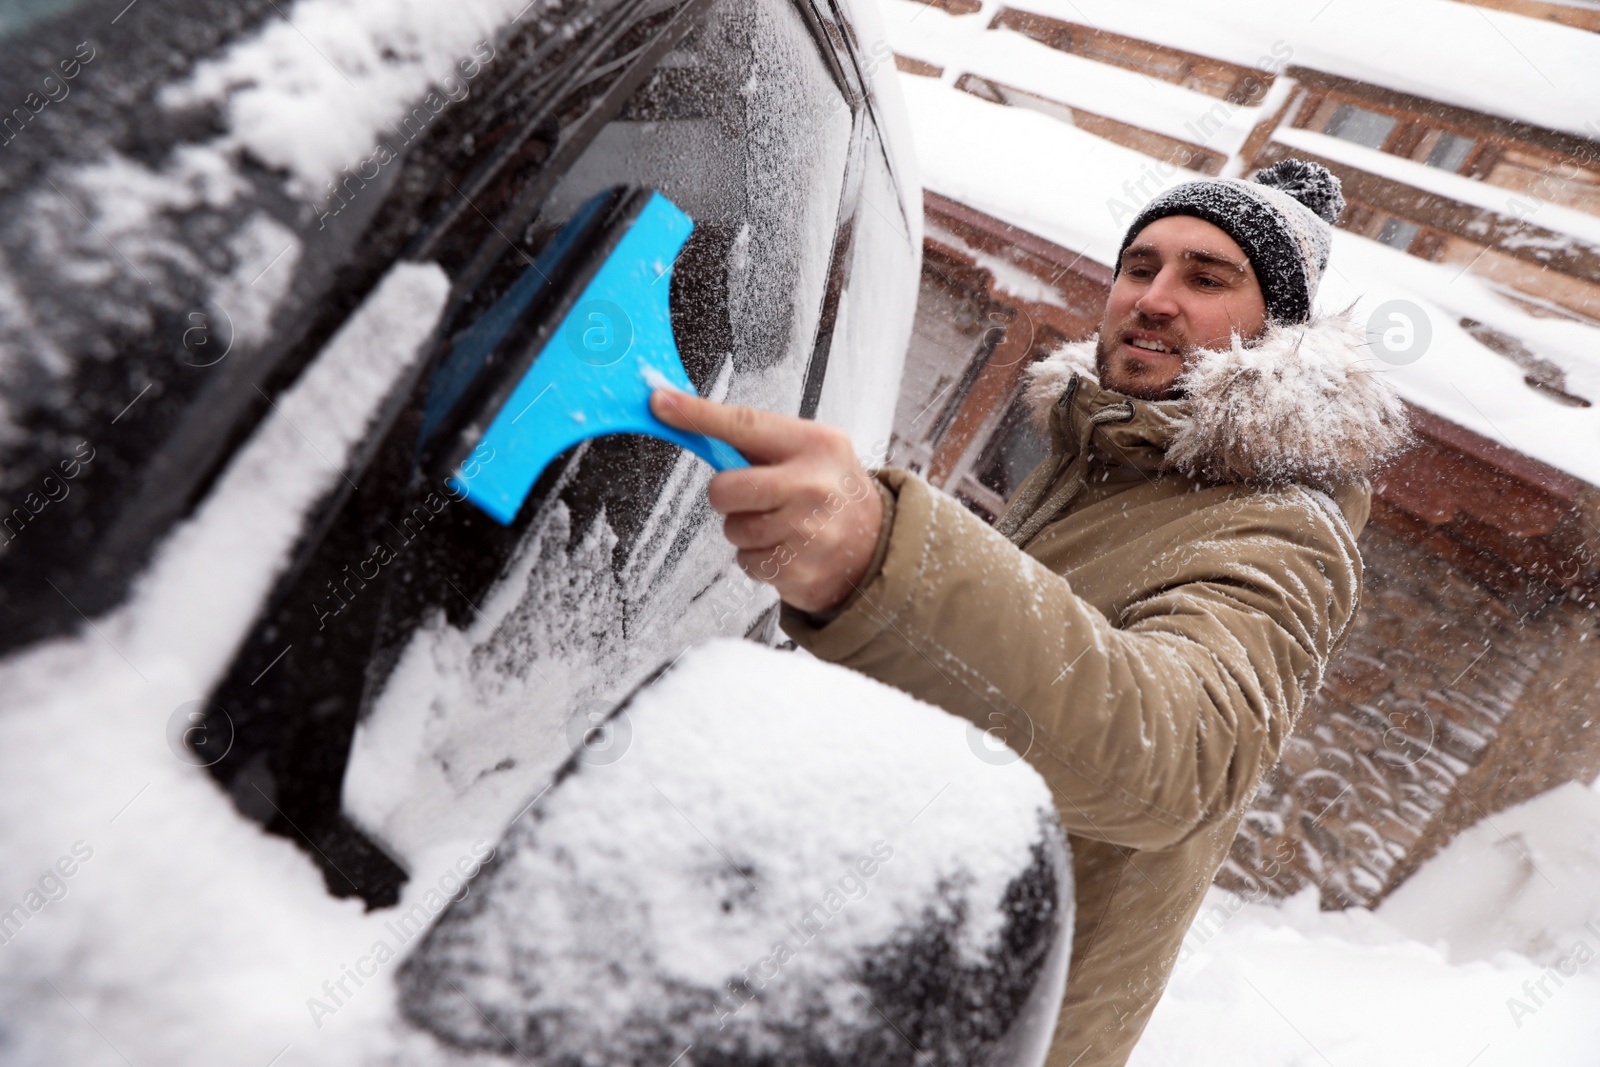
<point x="1185" y="580"/>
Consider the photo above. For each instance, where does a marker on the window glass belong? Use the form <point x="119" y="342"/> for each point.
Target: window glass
<point x="1357" y="124"/>
<point x="1450" y="152"/>
<point x="1398" y="233"/>
<point x="744" y="128"/>
<point x="1012" y="453"/>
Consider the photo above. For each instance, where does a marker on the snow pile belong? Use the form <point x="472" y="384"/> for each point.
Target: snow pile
<point x="767" y="858"/>
<point x="1439" y="976"/>
<point x="760" y="841"/>
<point x="1526" y="880"/>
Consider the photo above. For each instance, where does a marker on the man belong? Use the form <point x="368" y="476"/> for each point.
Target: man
<point x="1162" y="594"/>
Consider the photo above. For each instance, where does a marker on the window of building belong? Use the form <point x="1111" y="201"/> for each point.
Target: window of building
<point x="1370" y="128"/>
<point x="1450" y="152"/>
<point x="1398" y="233"/>
<point x="1014" y="450"/>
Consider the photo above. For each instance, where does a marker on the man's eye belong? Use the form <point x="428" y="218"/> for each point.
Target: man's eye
<point x="1205" y="281"/>
<point x="1141" y="272"/>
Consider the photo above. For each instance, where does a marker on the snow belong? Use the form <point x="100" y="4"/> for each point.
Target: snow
<point x="1463" y="380"/>
<point x="1434" y="978"/>
<point x="1014" y="164"/>
<point x="1081" y="191"/>
<point x="187" y="936"/>
<point x="963" y="44"/>
<point x="1513" y="883"/>
<point x="1503" y="64"/>
<point x="312" y="91"/>
<point x="1507" y="202"/>
<point x="473" y="721"/>
<point x="753" y="813"/>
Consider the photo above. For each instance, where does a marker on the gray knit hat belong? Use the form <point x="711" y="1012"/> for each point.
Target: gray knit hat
<point x="1281" y="217"/>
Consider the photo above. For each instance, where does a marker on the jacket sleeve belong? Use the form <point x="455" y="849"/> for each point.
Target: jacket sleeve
<point x="1148" y="726"/>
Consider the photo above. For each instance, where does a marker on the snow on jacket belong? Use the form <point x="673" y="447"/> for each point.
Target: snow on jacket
<point x="1189" y="567"/>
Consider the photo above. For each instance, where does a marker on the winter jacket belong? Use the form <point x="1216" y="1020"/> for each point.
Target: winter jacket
<point x="1188" y="568"/>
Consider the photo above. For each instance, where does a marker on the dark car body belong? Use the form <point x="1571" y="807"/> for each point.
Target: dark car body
<point x="176" y="261"/>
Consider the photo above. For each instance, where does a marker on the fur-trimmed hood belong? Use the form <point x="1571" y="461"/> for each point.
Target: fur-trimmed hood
<point x="1301" y="404"/>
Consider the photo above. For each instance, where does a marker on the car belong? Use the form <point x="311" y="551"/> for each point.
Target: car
<point x="198" y="215"/>
<point x="268" y="273"/>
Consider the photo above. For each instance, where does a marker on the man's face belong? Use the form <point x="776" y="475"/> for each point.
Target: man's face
<point x="1184" y="286"/>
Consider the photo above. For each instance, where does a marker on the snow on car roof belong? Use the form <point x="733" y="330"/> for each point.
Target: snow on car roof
<point x="1081" y="191"/>
<point x="1491" y="61"/>
<point x="314" y="94"/>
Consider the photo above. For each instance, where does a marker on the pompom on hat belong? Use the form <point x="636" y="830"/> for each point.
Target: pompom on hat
<point x="1282" y="217"/>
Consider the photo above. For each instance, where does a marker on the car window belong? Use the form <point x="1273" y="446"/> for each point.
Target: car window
<point x="742" y="125"/>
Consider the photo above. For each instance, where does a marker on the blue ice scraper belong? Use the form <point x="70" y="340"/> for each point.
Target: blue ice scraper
<point x="571" y="351"/>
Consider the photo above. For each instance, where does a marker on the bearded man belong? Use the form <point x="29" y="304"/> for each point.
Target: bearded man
<point x="1163" y="593"/>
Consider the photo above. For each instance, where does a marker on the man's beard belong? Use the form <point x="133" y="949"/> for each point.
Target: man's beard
<point x="1129" y="386"/>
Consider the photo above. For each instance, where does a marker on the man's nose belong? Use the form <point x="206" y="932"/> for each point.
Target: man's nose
<point x="1160" y="299"/>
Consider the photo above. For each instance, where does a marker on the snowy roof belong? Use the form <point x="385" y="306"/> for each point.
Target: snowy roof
<point x="1008" y="57"/>
<point x="1519" y="68"/>
<point x="1496" y="198"/>
<point x="1081" y="191"/>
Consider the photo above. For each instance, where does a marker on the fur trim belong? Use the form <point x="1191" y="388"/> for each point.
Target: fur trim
<point x="1295" y="406"/>
<point x="1048" y="378"/>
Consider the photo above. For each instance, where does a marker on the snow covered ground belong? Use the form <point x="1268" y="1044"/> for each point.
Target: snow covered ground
<point x="1489" y="955"/>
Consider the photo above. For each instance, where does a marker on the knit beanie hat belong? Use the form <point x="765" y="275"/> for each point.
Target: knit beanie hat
<point x="1281" y="217"/>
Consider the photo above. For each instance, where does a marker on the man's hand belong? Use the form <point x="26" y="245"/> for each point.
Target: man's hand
<point x="804" y="516"/>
